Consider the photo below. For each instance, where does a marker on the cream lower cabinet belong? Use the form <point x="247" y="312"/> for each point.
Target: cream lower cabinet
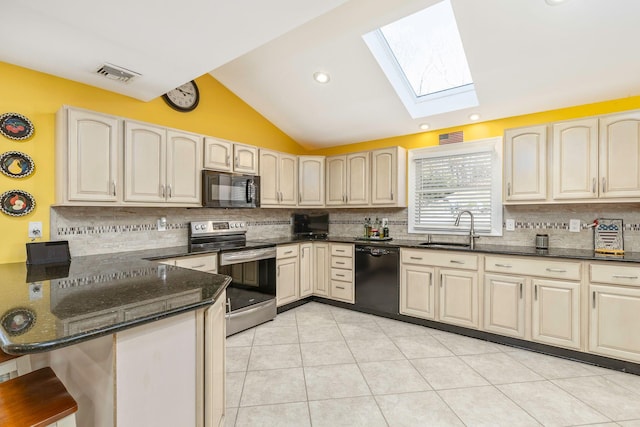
<point x="287" y="274"/>
<point x="306" y="269"/>
<point x="341" y="285"/>
<point x="504" y="305"/>
<point x="458" y="302"/>
<point x="555" y="316"/>
<point x="215" y="329"/>
<point x="161" y="166"/>
<point x="417" y="291"/>
<point x="614" y="311"/>
<point x="321" y="269"/>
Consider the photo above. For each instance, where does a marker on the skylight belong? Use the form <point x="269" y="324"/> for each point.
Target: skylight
<point x="423" y="58"/>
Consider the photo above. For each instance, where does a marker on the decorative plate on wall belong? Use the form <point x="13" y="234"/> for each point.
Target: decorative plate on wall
<point x="16" y="126"/>
<point x="17" y="203"/>
<point x="15" y="164"/>
<point x="18" y="321"/>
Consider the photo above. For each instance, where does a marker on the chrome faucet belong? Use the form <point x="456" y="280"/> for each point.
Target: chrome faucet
<point x="472" y="233"/>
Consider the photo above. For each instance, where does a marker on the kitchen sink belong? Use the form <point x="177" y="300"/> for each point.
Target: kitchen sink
<point x="444" y="245"/>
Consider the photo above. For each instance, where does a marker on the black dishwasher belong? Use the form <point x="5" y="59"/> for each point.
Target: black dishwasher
<point x="377" y="279"/>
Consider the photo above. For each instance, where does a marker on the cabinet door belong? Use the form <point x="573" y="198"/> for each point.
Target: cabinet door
<point x="269" y="194"/>
<point x="575" y="159"/>
<point x="214" y="363"/>
<point x="145" y="160"/>
<point x="93" y="156"/>
<point x="218" y="154"/>
<point x="417" y="293"/>
<point x="556" y="313"/>
<point x="311" y="181"/>
<point x="184" y="157"/>
<point x="321" y="269"/>
<point x="336" y="180"/>
<point x="384" y="177"/>
<point x="459" y="298"/>
<point x="526" y="164"/>
<point x="358" y="179"/>
<point x="245" y="159"/>
<point x="504" y="305"/>
<point x="288" y="179"/>
<point x="620" y="156"/>
<point x="614" y="312"/>
<point x="306" y="269"/>
<point x="287" y="280"/>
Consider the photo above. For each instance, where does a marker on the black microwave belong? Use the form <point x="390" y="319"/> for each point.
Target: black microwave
<point x="228" y="190"/>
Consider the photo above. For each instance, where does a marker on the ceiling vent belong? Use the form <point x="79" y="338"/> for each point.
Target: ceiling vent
<point x="113" y="72"/>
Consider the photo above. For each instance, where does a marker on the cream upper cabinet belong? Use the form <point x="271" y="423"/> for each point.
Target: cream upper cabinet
<point x="311" y="183"/>
<point x="218" y="154"/>
<point x="525" y="164"/>
<point x="278" y="179"/>
<point x="575" y="159"/>
<point x="306" y="269"/>
<point x="388" y="177"/>
<point x="348" y="180"/>
<point x="504" y="305"/>
<point x="556" y="313"/>
<point x="245" y="159"/>
<point x="161" y="166"/>
<point x="620" y="156"/>
<point x="88" y="157"/>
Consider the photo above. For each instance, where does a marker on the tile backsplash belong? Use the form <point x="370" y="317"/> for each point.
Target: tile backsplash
<point x="94" y="230"/>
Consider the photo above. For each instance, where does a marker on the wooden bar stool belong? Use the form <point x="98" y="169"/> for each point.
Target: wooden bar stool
<point x="36" y="399"/>
<point x="12" y="366"/>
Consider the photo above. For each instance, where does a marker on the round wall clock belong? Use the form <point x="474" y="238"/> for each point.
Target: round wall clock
<point x="183" y="98"/>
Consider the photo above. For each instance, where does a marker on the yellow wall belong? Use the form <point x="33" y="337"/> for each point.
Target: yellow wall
<point x="490" y="128"/>
<point x="38" y="96"/>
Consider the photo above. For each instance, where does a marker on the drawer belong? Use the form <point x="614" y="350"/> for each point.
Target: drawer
<point x="287" y="251"/>
<point x="208" y="263"/>
<point x="94" y="322"/>
<point x="142" y="310"/>
<point x="616" y="274"/>
<point x="189" y="297"/>
<point x="534" y="267"/>
<point x="342" y="291"/>
<point x="342" y="275"/>
<point x="342" y="262"/>
<point x="340" y="249"/>
<point x="439" y="258"/>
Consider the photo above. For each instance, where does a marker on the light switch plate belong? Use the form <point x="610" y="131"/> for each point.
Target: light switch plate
<point x="35" y="229"/>
<point x="574" y="225"/>
<point x="511" y="224"/>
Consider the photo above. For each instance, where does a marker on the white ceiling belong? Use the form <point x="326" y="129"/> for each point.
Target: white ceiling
<point x="524" y="55"/>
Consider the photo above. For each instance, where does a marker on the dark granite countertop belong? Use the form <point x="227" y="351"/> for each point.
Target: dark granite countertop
<point x="568" y="253"/>
<point x="43" y="308"/>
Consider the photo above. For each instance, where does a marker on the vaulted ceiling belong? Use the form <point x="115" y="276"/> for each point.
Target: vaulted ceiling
<point x="525" y="56"/>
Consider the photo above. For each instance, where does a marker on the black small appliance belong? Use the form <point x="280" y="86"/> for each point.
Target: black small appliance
<point x="314" y="226"/>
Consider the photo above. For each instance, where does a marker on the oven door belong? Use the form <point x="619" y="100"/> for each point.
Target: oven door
<point x="225" y="190"/>
<point x="253" y="275"/>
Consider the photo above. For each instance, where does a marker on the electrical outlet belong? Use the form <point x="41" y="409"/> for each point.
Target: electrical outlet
<point x="35" y="229"/>
<point x="574" y="225"/>
<point x="511" y="225"/>
<point x="162" y="224"/>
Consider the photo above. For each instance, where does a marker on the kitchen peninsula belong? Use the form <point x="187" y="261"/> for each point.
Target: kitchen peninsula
<point x="135" y="342"/>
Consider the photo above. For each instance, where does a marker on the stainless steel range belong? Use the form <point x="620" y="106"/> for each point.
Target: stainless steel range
<point x="251" y="297"/>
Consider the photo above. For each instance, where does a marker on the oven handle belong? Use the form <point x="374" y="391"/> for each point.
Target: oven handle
<point x="228" y="258"/>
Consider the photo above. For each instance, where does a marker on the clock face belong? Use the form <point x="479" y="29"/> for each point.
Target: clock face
<point x="183" y="98"/>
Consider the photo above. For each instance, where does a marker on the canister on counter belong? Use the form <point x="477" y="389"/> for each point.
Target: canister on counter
<point x="542" y="241"/>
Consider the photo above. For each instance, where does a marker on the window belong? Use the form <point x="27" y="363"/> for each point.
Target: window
<point x="447" y="179"/>
<point x="423" y="57"/>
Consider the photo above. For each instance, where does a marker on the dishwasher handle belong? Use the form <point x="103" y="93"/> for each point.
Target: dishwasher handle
<point x="374" y="251"/>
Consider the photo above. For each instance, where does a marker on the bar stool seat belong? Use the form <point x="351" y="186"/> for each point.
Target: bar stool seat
<point x="36" y="399"/>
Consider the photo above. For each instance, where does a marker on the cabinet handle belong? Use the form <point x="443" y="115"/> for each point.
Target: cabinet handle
<point x="228" y="304"/>
<point x="418" y="258"/>
<point x="340" y="275"/>
<point x="340" y="263"/>
<point x="535" y="293"/>
<point x="288" y="252"/>
<point x="162" y="190"/>
<point x="278" y="271"/>
<point x="228" y="158"/>
<point x="604" y="184"/>
<point x="556" y="270"/>
<point x="340" y="287"/>
<point x="454" y="261"/>
<point x="619" y="276"/>
<point x="392" y="195"/>
<point x="520" y="290"/>
<point x="430" y="279"/>
<point x="594" y="187"/>
<point x="235" y="162"/>
<point x="441" y="279"/>
<point x="508" y="189"/>
<point x="169" y="191"/>
<point x="503" y="265"/>
<point x="594" y="299"/>
<point x="197" y="266"/>
<point x="113" y="186"/>
<point x="299" y="197"/>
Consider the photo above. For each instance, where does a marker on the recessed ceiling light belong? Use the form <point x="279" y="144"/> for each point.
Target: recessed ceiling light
<point x="424" y="126"/>
<point x="321" y="77"/>
<point x="474" y="117"/>
<point x="554" y="2"/>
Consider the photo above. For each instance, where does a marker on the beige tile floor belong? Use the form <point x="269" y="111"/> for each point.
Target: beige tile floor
<point x="318" y="365"/>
